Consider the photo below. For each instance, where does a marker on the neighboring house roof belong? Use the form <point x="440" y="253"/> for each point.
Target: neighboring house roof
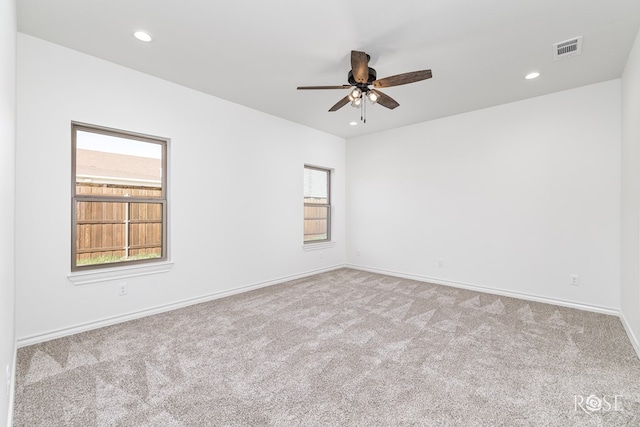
<point x="97" y="166"/>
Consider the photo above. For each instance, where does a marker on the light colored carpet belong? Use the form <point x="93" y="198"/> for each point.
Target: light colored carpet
<point x="341" y="348"/>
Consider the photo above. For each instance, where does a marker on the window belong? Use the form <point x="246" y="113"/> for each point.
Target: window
<point x="317" y="204"/>
<point x="119" y="207"/>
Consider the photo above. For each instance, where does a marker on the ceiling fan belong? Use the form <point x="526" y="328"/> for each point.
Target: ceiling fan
<point x="361" y="77"/>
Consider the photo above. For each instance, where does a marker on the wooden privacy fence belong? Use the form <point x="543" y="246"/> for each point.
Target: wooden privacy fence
<point x="117" y="230"/>
<point x="315" y="220"/>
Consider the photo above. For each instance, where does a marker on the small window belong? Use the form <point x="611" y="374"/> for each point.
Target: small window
<point x="119" y="208"/>
<point x="317" y="204"/>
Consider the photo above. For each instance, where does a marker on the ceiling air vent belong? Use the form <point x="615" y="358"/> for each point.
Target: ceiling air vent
<point x="567" y="48"/>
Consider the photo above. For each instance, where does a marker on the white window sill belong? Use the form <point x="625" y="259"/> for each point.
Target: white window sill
<point x="117" y="273"/>
<point x="318" y="246"/>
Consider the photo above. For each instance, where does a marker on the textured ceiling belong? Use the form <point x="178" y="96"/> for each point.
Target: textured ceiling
<point x="256" y="53"/>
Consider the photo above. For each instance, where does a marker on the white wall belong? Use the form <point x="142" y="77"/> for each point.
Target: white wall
<point x="7" y="194"/>
<point x="236" y="189"/>
<point x="630" y="256"/>
<point x="514" y="198"/>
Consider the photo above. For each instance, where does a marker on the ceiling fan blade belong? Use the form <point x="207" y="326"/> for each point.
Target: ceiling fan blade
<point x="386" y="100"/>
<point x="323" y="87"/>
<point x="359" y="66"/>
<point x="403" y="79"/>
<point x="344" y="101"/>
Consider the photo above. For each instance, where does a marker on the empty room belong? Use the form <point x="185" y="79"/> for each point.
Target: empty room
<point x="337" y="213"/>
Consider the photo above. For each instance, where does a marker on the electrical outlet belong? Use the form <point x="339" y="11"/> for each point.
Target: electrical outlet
<point x="440" y="263"/>
<point x="123" y="289"/>
<point x="574" y="280"/>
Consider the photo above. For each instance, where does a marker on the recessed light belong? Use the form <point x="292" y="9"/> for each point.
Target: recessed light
<point x="353" y="123"/>
<point x="531" y="76"/>
<point x="142" y="36"/>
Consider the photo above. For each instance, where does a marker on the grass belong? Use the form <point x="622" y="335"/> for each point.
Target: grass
<point x="107" y="259"/>
<point x="315" y="237"/>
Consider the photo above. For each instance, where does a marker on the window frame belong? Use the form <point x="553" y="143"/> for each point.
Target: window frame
<point x="326" y="205"/>
<point x="76" y="198"/>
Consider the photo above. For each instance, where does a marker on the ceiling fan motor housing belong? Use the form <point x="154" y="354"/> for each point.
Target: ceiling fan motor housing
<point x="372" y="77"/>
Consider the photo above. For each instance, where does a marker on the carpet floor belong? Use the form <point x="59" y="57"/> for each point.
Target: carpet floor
<point x="343" y="348"/>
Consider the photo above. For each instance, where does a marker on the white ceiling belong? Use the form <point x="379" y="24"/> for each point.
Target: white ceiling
<point x="256" y="53"/>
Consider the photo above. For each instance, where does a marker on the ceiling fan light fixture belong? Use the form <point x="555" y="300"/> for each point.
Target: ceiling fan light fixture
<point x="355" y="93"/>
<point x="356" y="103"/>
<point x="373" y="97"/>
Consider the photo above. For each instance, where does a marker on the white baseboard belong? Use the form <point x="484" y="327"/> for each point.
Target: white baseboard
<point x="59" y="333"/>
<point x="632" y="337"/>
<point x="485" y="289"/>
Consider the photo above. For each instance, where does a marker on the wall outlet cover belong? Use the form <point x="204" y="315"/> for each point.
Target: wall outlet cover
<point x="123" y="289"/>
